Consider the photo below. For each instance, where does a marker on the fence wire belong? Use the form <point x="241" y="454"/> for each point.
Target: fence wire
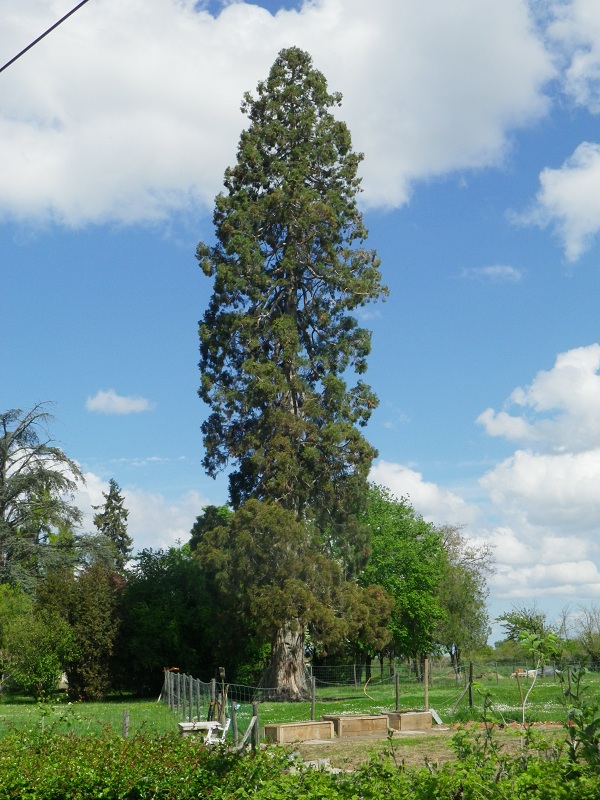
<point x="191" y="698"/>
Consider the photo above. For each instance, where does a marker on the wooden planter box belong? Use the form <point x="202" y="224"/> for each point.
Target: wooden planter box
<point x="346" y="725"/>
<point x="409" y="720"/>
<point x="288" y="732"/>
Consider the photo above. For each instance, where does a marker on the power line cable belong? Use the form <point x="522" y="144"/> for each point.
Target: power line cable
<point x="39" y="39"/>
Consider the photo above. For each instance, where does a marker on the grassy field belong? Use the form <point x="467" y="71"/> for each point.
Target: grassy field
<point x="151" y="716"/>
<point x="82" y="718"/>
<point x="544" y="704"/>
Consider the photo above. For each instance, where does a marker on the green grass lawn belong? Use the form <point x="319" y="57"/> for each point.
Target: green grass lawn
<point x="82" y="718"/>
<point x="151" y="716"/>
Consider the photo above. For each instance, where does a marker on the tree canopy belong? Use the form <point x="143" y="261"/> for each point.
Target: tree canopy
<point x="111" y="522"/>
<point x="463" y="595"/>
<point x="278" y="336"/>
<point x="407" y="559"/>
<point x="278" y="339"/>
<point x="37" y="481"/>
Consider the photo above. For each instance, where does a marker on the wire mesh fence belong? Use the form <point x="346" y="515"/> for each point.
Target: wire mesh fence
<point x="352" y="687"/>
<point x="188" y="697"/>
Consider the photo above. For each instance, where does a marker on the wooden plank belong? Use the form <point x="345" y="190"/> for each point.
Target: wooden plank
<point x="346" y="725"/>
<point x="288" y="732"/>
<point x="409" y="720"/>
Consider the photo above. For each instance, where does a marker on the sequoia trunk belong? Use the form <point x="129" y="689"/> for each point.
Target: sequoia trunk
<point x="287" y="673"/>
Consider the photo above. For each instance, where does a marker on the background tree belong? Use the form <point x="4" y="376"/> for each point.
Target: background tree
<point x="407" y="559"/>
<point x="269" y="569"/>
<point x="40" y="644"/>
<point x="169" y="618"/>
<point x="37" y="482"/>
<point x="87" y="600"/>
<point x="278" y="337"/>
<point x="524" y="619"/>
<point x="111" y="522"/>
<point x="523" y="623"/>
<point x="15" y="607"/>
<point x="463" y="593"/>
<point x="211" y="517"/>
<point x="587" y="627"/>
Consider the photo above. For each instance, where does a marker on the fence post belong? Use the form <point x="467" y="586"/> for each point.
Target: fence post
<point x="313" y="690"/>
<point x="125" y="724"/>
<point x="234" y="724"/>
<point x="223" y="701"/>
<point x="426" y="682"/>
<point x="213" y="698"/>
<point x="470" y="683"/>
<point x="256" y="729"/>
<point x="190" y="697"/>
<point x="397" y="686"/>
<point x="197" y="698"/>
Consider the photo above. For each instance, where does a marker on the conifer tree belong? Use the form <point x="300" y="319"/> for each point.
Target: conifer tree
<point x="111" y="522"/>
<point x="279" y="338"/>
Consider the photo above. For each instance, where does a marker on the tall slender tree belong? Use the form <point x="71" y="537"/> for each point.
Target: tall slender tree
<point x="111" y="522"/>
<point x="463" y="593"/>
<point x="279" y="337"/>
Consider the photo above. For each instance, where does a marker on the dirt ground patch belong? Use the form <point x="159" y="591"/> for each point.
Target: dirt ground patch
<point x="416" y="748"/>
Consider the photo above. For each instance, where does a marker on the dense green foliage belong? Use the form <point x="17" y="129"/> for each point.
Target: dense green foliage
<point x="36" y="484"/>
<point x="277" y="343"/>
<point x="167" y="619"/>
<point x="87" y="601"/>
<point x="111" y="522"/>
<point x="407" y="558"/>
<point x="171" y="768"/>
<point x="40" y="643"/>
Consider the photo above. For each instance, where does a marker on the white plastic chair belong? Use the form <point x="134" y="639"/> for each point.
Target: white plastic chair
<point x="217" y="734"/>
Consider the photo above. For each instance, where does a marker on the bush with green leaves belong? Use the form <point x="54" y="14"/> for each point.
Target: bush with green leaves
<point x="44" y="766"/>
<point x="40" y="645"/>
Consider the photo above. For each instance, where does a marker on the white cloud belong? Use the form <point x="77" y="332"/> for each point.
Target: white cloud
<point x="157" y="522"/>
<point x="549" y="491"/>
<point x="129" y="111"/>
<point x="433" y="503"/>
<point x="547" y="494"/>
<point x="570" y="579"/>
<point x="560" y="410"/>
<point x="498" y="273"/>
<point x="109" y="402"/>
<point x="576" y="31"/>
<point x="568" y="200"/>
<point x="154" y="521"/>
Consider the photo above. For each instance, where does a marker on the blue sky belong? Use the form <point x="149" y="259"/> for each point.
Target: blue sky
<point x="479" y="125"/>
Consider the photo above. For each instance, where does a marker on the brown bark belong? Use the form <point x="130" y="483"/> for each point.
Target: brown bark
<point x="287" y="673"/>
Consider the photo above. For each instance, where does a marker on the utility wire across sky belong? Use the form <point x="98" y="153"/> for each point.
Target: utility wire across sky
<point x="39" y="38"/>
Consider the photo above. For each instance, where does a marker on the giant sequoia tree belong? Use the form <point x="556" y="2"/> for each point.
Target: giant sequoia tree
<point x="279" y="338"/>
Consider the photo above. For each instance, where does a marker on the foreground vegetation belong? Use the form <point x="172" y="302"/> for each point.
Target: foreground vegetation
<point x="167" y="767"/>
<point x="81" y="751"/>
